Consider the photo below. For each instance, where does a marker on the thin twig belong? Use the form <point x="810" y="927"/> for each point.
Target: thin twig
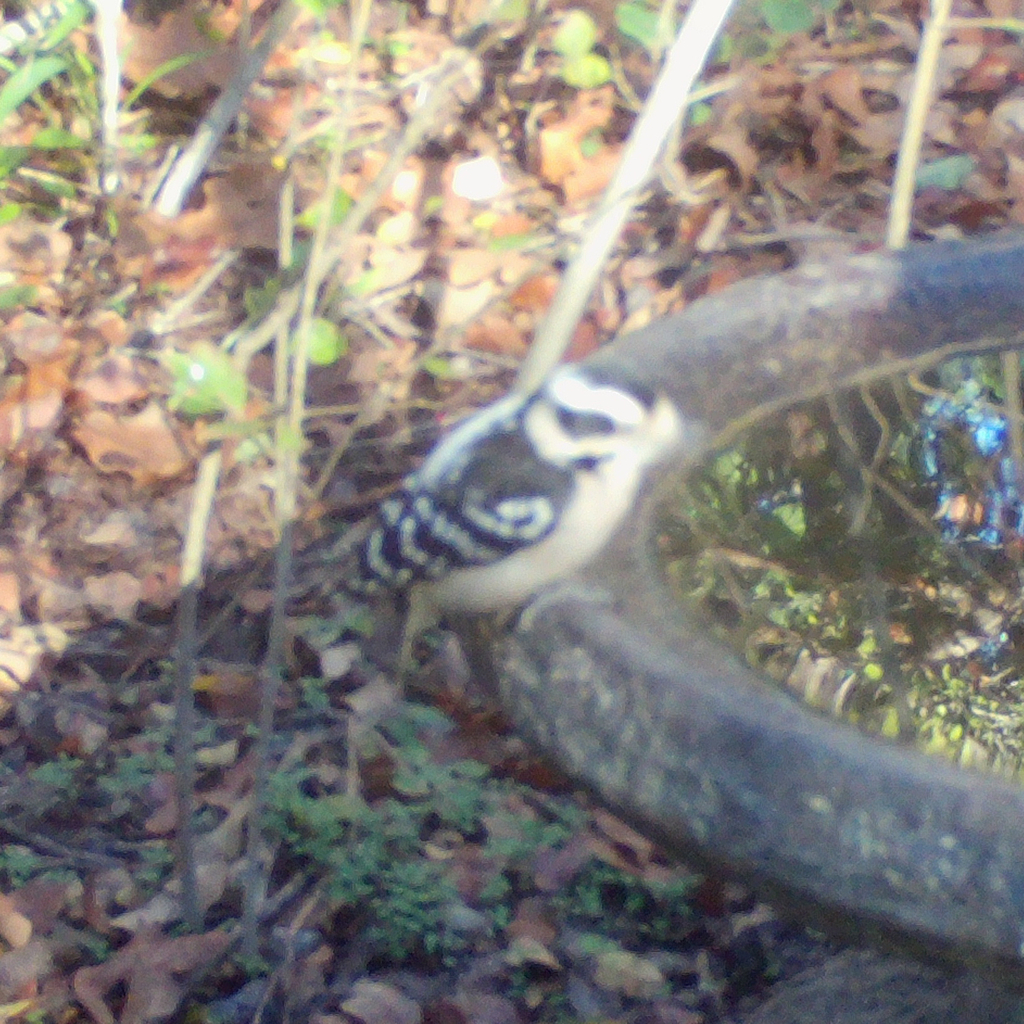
<point x="290" y="384"/>
<point x="667" y="100"/>
<point x="192" y="160"/>
<point x="184" y="674"/>
<point x="909" y="155"/>
<point x="108" y="13"/>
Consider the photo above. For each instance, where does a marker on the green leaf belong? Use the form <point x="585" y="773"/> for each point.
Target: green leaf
<point x="587" y="72"/>
<point x="438" y="367"/>
<point x="327" y="343"/>
<point x="512" y="243"/>
<point x="788" y="16"/>
<point x="168" y="66"/>
<point x="17" y="296"/>
<point x="319" y="7"/>
<point x="366" y="283"/>
<point x="946" y="173"/>
<point x="11" y="158"/>
<point x="258" y="301"/>
<point x="206" y="381"/>
<point x="311" y="216"/>
<point x="57" y="138"/>
<point x="576" y="35"/>
<point x="75" y="15"/>
<point x="511" y="10"/>
<point x="792" y="516"/>
<point x="26" y="80"/>
<point x="699" y="113"/>
<point x="638" y="22"/>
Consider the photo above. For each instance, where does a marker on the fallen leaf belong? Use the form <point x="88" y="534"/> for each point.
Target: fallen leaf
<point x="15" y="927"/>
<point x="523" y="951"/>
<point x="113" y="595"/>
<point x="535" y="294"/>
<point x="31" y="407"/>
<point x="147" y="446"/>
<point x="469" y="266"/>
<point x="175" y="35"/>
<point x="618" y="970"/>
<point x="591" y="177"/>
<point x="373" y="1002"/>
<point x="479" y="179"/>
<point x="561" y="143"/>
<point x="149" y="967"/>
<point x="495" y="333"/>
<point x="21" y="970"/>
<point x="113" y="381"/>
<point x="22" y="648"/>
<point x="461" y="306"/>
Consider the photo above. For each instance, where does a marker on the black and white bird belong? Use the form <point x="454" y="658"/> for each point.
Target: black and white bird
<point x="520" y="494"/>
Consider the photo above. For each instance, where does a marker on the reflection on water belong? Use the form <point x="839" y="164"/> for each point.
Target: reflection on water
<point x="867" y="552"/>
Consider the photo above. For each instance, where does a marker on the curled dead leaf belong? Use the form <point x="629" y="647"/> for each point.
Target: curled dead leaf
<point x="21" y="970"/>
<point x="113" y="595"/>
<point x="147" y="446"/>
<point x="149" y="967"/>
<point x="113" y="381"/>
<point x="15" y="927"/>
<point x="373" y="1002"/>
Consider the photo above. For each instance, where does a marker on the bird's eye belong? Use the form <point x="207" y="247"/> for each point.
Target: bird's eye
<point x="584" y="424"/>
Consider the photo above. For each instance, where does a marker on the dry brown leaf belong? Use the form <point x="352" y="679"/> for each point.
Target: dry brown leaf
<point x="10" y="593"/>
<point x="585" y="339"/>
<point x="844" y="87"/>
<point x="235" y="781"/>
<point x="561" y="153"/>
<point x="42" y="900"/>
<point x="21" y="970"/>
<point x="374" y="365"/>
<point x="524" y="950"/>
<point x="391" y="267"/>
<point x="733" y="141"/>
<point x="373" y="1002"/>
<point x="533" y="920"/>
<point x="495" y="333"/>
<point x="32" y="338"/>
<point x="161" y="585"/>
<point x="113" y="381"/>
<point x="149" y="966"/>
<point x="103" y="329"/>
<point x="116" y="531"/>
<point x="591" y="177"/>
<point x="147" y="445"/>
<point x="39" y="252"/>
<point x="535" y="294"/>
<point x="164" y="820"/>
<point x="15" y="927"/>
<point x="81" y="734"/>
<point x="230" y="692"/>
<point x="469" y="266"/>
<point x="461" y="306"/>
<point x="484" y="1008"/>
<point x="22" y="648"/>
<point x="618" y="970"/>
<point x="509" y="225"/>
<point x="240" y="208"/>
<point x="178" y="34"/>
<point x="30" y="409"/>
<point x="113" y="595"/>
